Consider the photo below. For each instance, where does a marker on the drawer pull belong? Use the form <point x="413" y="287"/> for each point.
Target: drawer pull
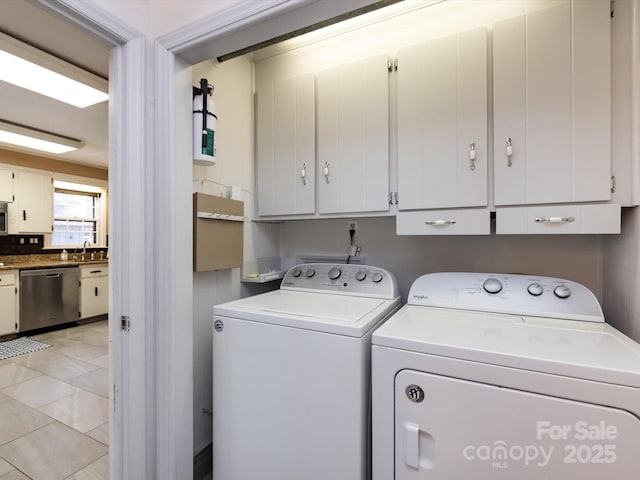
<point x="554" y="219"/>
<point x="96" y="271"/>
<point x="438" y="223"/>
<point x="509" y="152"/>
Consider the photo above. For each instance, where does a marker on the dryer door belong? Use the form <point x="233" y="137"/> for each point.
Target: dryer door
<point x="451" y="429"/>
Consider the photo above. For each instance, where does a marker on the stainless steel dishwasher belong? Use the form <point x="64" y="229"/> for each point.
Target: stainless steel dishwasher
<point x="49" y="296"/>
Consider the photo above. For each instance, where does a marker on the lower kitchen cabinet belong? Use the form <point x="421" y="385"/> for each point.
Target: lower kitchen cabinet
<point x="9" y="302"/>
<point x="94" y="290"/>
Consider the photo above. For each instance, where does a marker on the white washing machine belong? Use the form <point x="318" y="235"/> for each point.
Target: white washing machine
<point x="491" y="376"/>
<point x="291" y="375"/>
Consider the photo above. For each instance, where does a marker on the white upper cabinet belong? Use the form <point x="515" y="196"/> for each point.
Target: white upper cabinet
<point x="6" y="185"/>
<point x="353" y="137"/>
<point x="32" y="211"/>
<point x="552" y="105"/>
<point x="442" y="122"/>
<point x="286" y="147"/>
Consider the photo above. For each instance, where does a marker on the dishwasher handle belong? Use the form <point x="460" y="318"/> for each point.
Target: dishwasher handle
<point x="52" y="275"/>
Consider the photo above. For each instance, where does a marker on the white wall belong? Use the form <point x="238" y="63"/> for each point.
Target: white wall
<point x="621" y="277"/>
<point x="233" y="96"/>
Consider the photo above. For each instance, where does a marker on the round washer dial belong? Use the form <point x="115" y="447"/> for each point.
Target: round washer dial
<point x="492" y="285"/>
<point x="535" y="289"/>
<point x="360" y="275"/>
<point x="335" y="273"/>
<point x="562" y="291"/>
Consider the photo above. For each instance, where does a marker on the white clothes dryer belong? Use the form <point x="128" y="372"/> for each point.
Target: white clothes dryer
<point x="491" y="376"/>
<point x="291" y="375"/>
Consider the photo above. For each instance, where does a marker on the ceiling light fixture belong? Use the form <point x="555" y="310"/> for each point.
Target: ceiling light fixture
<point x="19" y="136"/>
<point x="40" y="72"/>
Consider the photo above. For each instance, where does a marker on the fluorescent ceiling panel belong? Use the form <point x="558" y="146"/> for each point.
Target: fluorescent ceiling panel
<point x="35" y="70"/>
<point x="18" y="136"/>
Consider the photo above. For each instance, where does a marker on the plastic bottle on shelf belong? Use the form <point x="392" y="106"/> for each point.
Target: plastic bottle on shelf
<point x="64" y="255"/>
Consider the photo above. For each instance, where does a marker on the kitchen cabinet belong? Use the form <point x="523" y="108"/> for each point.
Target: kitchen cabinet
<point x="8" y="301"/>
<point x="32" y="210"/>
<point x="94" y="290"/>
<point x="442" y="136"/>
<point x="286" y="147"/>
<point x="353" y="137"/>
<point x="552" y="105"/>
<point x="6" y="184"/>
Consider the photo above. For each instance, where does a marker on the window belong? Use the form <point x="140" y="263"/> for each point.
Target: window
<point x="76" y="217"/>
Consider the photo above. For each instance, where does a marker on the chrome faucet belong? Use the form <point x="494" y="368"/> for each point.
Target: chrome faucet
<point x="84" y="248"/>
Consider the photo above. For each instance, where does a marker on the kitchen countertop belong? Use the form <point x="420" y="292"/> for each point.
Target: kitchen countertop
<point x="45" y="260"/>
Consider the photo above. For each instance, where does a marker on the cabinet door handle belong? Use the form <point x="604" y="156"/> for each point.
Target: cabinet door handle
<point x="509" y="152"/>
<point x="303" y="174"/>
<point x="554" y="219"/>
<point x="472" y="156"/>
<point x="326" y="171"/>
<point x="96" y="291"/>
<point x="440" y="222"/>
<point x="24" y="215"/>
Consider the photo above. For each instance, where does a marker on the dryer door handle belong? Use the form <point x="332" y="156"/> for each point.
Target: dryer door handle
<point x="412" y="445"/>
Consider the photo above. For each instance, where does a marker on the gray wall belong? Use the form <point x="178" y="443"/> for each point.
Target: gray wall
<point x="574" y="257"/>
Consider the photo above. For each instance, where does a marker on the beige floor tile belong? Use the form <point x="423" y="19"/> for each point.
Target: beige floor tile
<point x="4" y="398"/>
<point x="14" y="475"/>
<point x="98" y="470"/>
<point x="34" y="359"/>
<point x="102" y="361"/>
<point x="57" y="342"/>
<point x="90" y="337"/>
<point x="60" y="452"/>
<point x="84" y="352"/>
<point x="12" y="373"/>
<point x="82" y="411"/>
<point x="65" y="368"/>
<point x="101" y="433"/>
<point x="96" y="381"/>
<point x="18" y="420"/>
<point x="4" y="467"/>
<point x="40" y="391"/>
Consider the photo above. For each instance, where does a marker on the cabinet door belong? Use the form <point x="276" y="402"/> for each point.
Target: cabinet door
<point x="552" y="74"/>
<point x="286" y="147"/>
<point x="94" y="296"/>
<point x="6" y="185"/>
<point x="8" y="309"/>
<point x="353" y="137"/>
<point x="34" y="196"/>
<point x="442" y="122"/>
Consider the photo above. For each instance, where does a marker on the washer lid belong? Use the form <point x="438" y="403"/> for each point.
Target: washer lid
<point x="345" y="315"/>
<point x="591" y="351"/>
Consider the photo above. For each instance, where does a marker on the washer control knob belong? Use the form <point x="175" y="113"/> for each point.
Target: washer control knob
<point x="297" y="272"/>
<point x="310" y="273"/>
<point x="335" y="273"/>
<point x="492" y="285"/>
<point x="562" y="291"/>
<point x="360" y="275"/>
<point x="535" y="289"/>
<point x="376" y="277"/>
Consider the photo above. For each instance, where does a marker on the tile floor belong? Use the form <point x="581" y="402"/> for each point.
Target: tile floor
<point x="54" y="408"/>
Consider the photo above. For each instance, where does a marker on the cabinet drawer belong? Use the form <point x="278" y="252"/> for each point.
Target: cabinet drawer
<point x="7" y="278"/>
<point x="473" y="221"/>
<point x="100" y="270"/>
<point x="559" y="219"/>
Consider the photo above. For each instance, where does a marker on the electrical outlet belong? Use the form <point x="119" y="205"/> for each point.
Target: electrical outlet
<point x="353" y="225"/>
